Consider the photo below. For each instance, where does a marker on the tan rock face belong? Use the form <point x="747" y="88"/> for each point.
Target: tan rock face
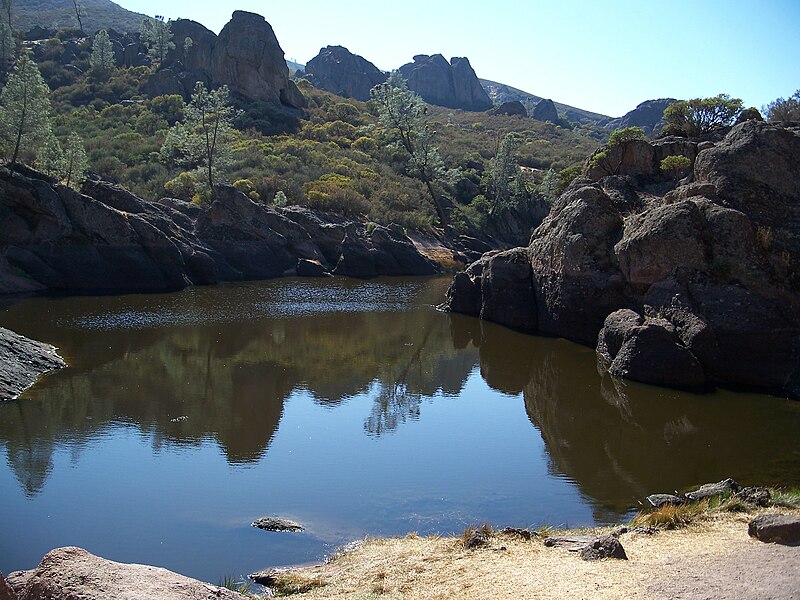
<point x="68" y="573"/>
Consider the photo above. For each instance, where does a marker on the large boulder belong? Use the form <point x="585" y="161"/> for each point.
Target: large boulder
<point x="22" y="361"/>
<point x="452" y="84"/>
<point x="708" y="267"/>
<point x="649" y="115"/>
<point x="545" y="110"/>
<point x="513" y="108"/>
<point x="68" y="573"/>
<point x="341" y="72"/>
<point x="249" y="60"/>
<point x="776" y="529"/>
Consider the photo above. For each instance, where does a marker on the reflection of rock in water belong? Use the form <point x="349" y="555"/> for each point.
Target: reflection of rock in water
<point x="31" y="465"/>
<point x="620" y="441"/>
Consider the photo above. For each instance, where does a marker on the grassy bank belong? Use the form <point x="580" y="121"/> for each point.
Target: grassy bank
<point x="698" y="550"/>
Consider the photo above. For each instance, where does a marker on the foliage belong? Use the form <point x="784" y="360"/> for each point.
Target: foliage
<point x="676" y="165"/>
<point x="50" y="159"/>
<point x="702" y="115"/>
<point x="280" y="199"/>
<point x="7" y="47"/>
<point x="626" y="134"/>
<point x="156" y="34"/>
<point x="502" y="172"/>
<point x="56" y="14"/>
<point x="247" y="188"/>
<point x="24" y="110"/>
<point x="402" y="114"/>
<point x="102" y="57"/>
<point x="550" y="187"/>
<point x="204" y="140"/>
<point x="76" y="162"/>
<point x="784" y="111"/>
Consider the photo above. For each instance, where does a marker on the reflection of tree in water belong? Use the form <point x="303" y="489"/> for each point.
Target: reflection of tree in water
<point x="227" y="381"/>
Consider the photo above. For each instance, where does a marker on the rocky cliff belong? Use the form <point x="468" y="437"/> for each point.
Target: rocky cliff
<point x="22" y="361"/>
<point x="693" y="288"/>
<point x="452" y="84"/>
<point x="246" y="56"/>
<point x="545" y="110"/>
<point x="649" y="115"/>
<point x="339" y="71"/>
<point x="107" y="239"/>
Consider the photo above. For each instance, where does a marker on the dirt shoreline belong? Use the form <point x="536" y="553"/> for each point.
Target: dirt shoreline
<point x="712" y="558"/>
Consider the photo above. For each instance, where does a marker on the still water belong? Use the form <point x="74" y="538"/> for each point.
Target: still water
<point x="354" y="408"/>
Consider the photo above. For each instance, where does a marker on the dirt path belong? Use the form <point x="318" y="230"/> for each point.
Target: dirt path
<point x="711" y="559"/>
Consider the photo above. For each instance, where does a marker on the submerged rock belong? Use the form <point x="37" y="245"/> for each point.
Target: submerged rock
<point x="277" y="524"/>
<point x="70" y="573"/>
<point x="22" y="362"/>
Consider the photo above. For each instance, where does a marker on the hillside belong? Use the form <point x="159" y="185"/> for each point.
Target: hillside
<point x="500" y="93"/>
<point x="100" y="14"/>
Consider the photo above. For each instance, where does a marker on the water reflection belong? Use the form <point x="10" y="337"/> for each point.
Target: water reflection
<point x="219" y="363"/>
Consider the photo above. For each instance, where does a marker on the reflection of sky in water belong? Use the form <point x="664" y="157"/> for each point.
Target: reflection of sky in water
<point x="298" y="299"/>
<point x="185" y="416"/>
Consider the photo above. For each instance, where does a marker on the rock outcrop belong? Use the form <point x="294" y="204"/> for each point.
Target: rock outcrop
<point x="545" y="110"/>
<point x="452" y="84"/>
<point x="22" y="361"/>
<point x="107" y="239"/>
<point x="649" y="115"/>
<point x="339" y="71"/>
<point x="512" y="108"/>
<point x="698" y="287"/>
<point x="246" y="56"/>
<point x="67" y="573"/>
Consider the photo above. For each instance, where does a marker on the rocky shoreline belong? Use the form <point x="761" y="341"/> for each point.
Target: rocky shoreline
<point x="690" y="285"/>
<point x="752" y="512"/>
<point x="108" y="240"/>
<point x="22" y="362"/>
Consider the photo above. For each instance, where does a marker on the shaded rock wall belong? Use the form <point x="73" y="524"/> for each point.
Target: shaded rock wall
<point x="52" y="237"/>
<point x="339" y="71"/>
<point x="22" y="361"/>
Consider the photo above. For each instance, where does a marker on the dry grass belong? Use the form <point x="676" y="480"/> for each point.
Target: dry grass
<point x="511" y="567"/>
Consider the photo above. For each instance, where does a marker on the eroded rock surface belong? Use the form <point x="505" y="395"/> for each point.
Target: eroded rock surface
<point x="452" y="84"/>
<point x="70" y="573"/>
<point x="705" y="275"/>
<point x="22" y="362"/>
<point x="341" y="72"/>
<point x="52" y="237"/>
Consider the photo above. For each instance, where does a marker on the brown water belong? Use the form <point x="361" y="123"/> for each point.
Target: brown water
<point x="353" y="407"/>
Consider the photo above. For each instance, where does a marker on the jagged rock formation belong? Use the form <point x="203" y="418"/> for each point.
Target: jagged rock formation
<point x="649" y="115"/>
<point x="75" y="573"/>
<point x="511" y="108"/>
<point x="246" y="56"/>
<point x="545" y="111"/>
<point x="452" y="84"/>
<point x="343" y="73"/>
<point x="52" y="237"/>
<point x="22" y="361"/>
<point x="708" y="271"/>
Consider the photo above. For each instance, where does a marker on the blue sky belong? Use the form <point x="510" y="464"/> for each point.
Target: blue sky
<point x="601" y="56"/>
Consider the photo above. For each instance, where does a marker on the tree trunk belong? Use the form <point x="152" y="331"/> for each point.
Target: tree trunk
<point x="437" y="204"/>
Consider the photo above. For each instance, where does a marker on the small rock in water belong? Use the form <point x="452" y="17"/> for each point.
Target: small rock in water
<point x="276" y="524"/>
<point x="659" y="500"/>
<point x="776" y="529"/>
<point x="709" y="490"/>
<point x="179" y="419"/>
<point x="606" y="546"/>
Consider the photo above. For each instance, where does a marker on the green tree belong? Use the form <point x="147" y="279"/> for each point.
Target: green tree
<point x="24" y="110"/>
<point x="156" y="34"/>
<point x="6" y="6"/>
<point x="502" y="171"/>
<point x="403" y="115"/>
<point x="102" y="57"/>
<point x="784" y="111"/>
<point x="204" y="139"/>
<point x="76" y="162"/>
<point x="8" y="47"/>
<point x="626" y="134"/>
<point x="701" y="115"/>
<point x="50" y="159"/>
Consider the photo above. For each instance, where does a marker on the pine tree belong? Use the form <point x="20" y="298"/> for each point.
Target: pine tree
<point x="403" y="114"/>
<point x="76" y="162"/>
<point x="102" y="57"/>
<point x="205" y="139"/>
<point x="50" y="159"/>
<point x="24" y="110"/>
<point x="156" y="34"/>
<point x="7" y="47"/>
